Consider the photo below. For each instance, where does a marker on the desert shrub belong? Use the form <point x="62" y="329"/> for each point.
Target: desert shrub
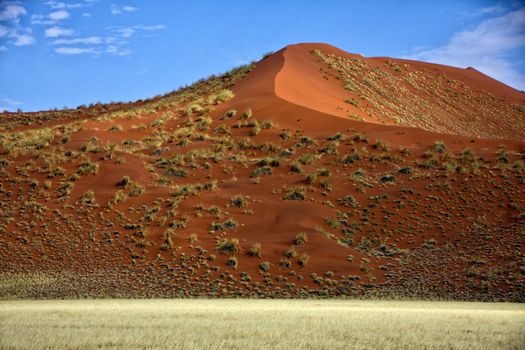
<point x="406" y="170"/>
<point x="87" y="168"/>
<point x="261" y="171"/>
<point x="350" y="158"/>
<point x="303" y="260"/>
<point x="230" y="223"/>
<point x="332" y="147"/>
<point x="171" y="171"/>
<point x="265" y="266"/>
<point x="285" y="135"/>
<point x="300" y="239"/>
<point x="119" y="197"/>
<point x="274" y="162"/>
<point x="387" y="179"/>
<point x="222" y="96"/>
<point x="295" y="194"/>
<point x="216" y="227"/>
<point x="503" y="156"/>
<point x="115" y="128"/>
<point x="430" y="161"/>
<point x="247" y="114"/>
<point x="352" y="101"/>
<point x="230" y="113"/>
<point x="306" y="159"/>
<point x="360" y="138"/>
<point x="126" y="180"/>
<point x="306" y="141"/>
<point x="222" y="129"/>
<point x="337" y="137"/>
<point x="256" y="128"/>
<point x="310" y="178"/>
<point x="255" y="250"/>
<point x="135" y="190"/>
<point x="239" y="201"/>
<point x="348" y="201"/>
<point x="193" y="108"/>
<point x="439" y="147"/>
<point x="232" y="262"/>
<point x="285" y="263"/>
<point x="325" y="185"/>
<point x="467" y="156"/>
<point x="290" y="253"/>
<point x="229" y="246"/>
<point x="158" y="122"/>
<point x="405" y="152"/>
<point x="88" y="198"/>
<point x="296" y="167"/>
<point x="381" y="145"/>
<point x="267" y="124"/>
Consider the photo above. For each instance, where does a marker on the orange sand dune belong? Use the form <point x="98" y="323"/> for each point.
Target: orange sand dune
<point x="393" y="169"/>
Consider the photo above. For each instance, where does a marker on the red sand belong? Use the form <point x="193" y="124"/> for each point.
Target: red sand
<point x="428" y="220"/>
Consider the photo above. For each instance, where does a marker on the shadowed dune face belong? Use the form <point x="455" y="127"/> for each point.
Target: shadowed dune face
<point x="313" y="173"/>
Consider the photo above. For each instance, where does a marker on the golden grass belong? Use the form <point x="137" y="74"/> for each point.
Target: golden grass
<point x="260" y="324"/>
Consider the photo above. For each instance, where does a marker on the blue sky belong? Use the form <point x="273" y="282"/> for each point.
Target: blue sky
<point x="67" y="53"/>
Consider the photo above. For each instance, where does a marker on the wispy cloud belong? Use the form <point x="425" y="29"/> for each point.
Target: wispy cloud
<point x="55" y="32"/>
<point x="23" y="39"/>
<point x="10" y="27"/>
<point x="64" y="5"/>
<point x="121" y="9"/>
<point x="92" y="40"/>
<point x="59" y="15"/>
<point x="488" y="47"/>
<point x="120" y="37"/>
<point x="116" y="43"/>
<point x="12" y="12"/>
<point x="74" y="50"/>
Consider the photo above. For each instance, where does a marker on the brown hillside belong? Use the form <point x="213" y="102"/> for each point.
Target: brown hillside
<point x="260" y="183"/>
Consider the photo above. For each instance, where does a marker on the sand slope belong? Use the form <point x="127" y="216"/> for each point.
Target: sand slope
<point x="385" y="199"/>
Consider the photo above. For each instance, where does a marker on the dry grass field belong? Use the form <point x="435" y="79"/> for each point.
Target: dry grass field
<point x="260" y="324"/>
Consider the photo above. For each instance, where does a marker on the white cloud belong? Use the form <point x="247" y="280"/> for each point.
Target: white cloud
<point x="121" y="36"/>
<point x="23" y="39"/>
<point x="63" y="5"/>
<point x="118" y="10"/>
<point x="151" y="28"/>
<point x="86" y="14"/>
<point x="59" y="15"/>
<point x="486" y="47"/>
<point x="92" y="40"/>
<point x="74" y="50"/>
<point x="41" y="19"/>
<point x="116" y="50"/>
<point x="12" y="13"/>
<point x="54" y="32"/>
<point x="3" y="48"/>
<point x="51" y="18"/>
